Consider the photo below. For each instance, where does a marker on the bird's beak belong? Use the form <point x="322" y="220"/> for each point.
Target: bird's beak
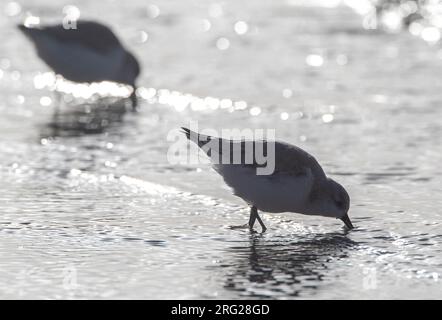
<point x="347" y="221"/>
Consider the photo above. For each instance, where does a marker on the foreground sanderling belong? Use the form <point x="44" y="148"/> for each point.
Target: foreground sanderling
<point x="297" y="184"/>
<point x="89" y="53"/>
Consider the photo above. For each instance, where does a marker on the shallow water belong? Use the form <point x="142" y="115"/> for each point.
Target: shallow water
<point x="91" y="208"/>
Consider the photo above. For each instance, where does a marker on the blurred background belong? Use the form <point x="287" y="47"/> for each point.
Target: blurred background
<point x="91" y="208"/>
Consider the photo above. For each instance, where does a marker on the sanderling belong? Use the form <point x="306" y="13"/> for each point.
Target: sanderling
<point x="298" y="182"/>
<point x="89" y="53"/>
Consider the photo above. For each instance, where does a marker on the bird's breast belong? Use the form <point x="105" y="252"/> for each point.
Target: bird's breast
<point x="274" y="193"/>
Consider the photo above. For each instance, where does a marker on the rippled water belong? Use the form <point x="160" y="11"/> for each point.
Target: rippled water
<point x="92" y="209"/>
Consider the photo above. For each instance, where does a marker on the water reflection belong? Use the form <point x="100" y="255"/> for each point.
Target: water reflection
<point x="86" y="118"/>
<point x="283" y="267"/>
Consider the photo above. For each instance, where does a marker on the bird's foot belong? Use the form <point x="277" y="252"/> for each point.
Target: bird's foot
<point x="243" y="226"/>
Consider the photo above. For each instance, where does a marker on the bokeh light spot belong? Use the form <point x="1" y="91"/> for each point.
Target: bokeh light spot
<point x="241" y="27"/>
<point x="223" y="43"/>
<point x="314" y="60"/>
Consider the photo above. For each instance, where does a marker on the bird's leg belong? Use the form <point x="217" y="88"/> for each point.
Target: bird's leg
<point x="255" y="216"/>
<point x="252" y="218"/>
<point x="264" y="228"/>
<point x="57" y="97"/>
<point x="134" y="100"/>
<point x="57" y="105"/>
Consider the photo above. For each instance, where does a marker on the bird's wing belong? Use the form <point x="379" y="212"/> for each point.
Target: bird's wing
<point x="90" y="34"/>
<point x="293" y="160"/>
<point x="288" y="159"/>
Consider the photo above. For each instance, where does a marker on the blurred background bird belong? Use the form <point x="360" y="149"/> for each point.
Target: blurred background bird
<point x="91" y="52"/>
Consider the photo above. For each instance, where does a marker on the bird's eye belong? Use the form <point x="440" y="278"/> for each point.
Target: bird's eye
<point x="340" y="204"/>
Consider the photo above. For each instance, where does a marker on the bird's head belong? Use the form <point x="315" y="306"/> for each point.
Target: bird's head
<point x="335" y="202"/>
<point x="341" y="202"/>
<point x="131" y="67"/>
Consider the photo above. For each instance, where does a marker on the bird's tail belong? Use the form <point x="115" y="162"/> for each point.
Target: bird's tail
<point x="21" y="27"/>
<point x="219" y="149"/>
<point x="30" y="32"/>
<point x="199" y="139"/>
<point x="186" y="131"/>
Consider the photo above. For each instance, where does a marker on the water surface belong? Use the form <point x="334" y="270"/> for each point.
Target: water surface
<point x="91" y="208"/>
